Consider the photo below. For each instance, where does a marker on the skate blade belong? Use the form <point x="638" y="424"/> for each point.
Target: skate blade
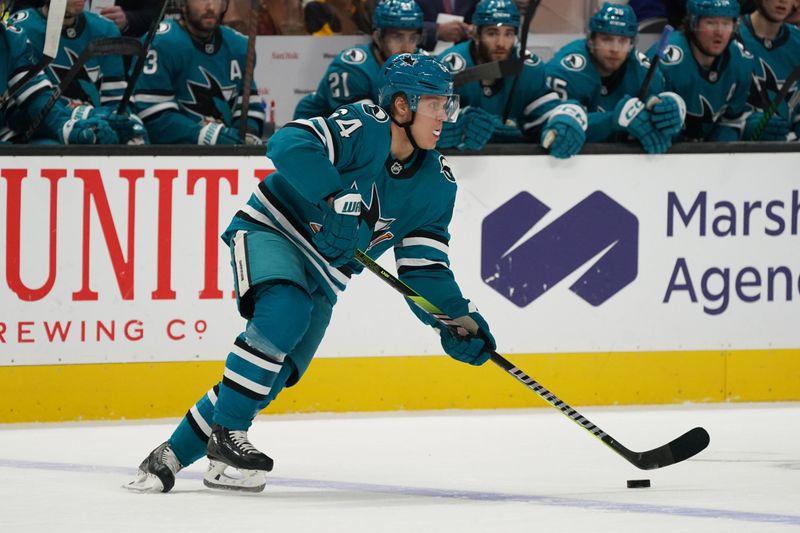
<point x="145" y="482"/>
<point x="221" y="476"/>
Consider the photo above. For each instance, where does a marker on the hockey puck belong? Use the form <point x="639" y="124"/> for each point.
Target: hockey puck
<point x="638" y="483"/>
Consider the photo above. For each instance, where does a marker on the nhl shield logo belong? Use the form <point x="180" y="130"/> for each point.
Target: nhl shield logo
<point x="396" y="168"/>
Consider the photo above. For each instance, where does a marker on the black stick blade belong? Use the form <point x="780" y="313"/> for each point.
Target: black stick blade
<point x="687" y="445"/>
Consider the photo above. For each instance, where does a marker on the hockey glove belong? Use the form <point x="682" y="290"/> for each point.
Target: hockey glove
<point x="631" y="116"/>
<point x="504" y="133"/>
<point x="776" y="129"/>
<point x="337" y="239"/>
<point x="668" y="112"/>
<point x="471" y="349"/>
<point x="129" y="128"/>
<point x="87" y="131"/>
<point x="216" y="133"/>
<point x="471" y="131"/>
<point x="568" y="124"/>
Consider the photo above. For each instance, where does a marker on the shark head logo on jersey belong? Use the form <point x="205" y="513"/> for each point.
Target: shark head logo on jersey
<point x="354" y="56"/>
<point x="672" y="55"/>
<point x="373" y="218"/>
<point x="210" y="99"/>
<point x="454" y="62"/>
<point x="767" y="82"/>
<point x="532" y="60"/>
<point x="574" y="62"/>
<point x="87" y="88"/>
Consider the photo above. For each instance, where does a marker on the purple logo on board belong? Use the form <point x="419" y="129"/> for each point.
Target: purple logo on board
<point x="523" y="271"/>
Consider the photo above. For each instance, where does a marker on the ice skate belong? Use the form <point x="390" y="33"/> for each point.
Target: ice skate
<point x="157" y="471"/>
<point x="235" y="464"/>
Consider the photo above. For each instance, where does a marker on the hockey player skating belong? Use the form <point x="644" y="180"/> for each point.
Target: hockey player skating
<point x="367" y="177"/>
<point x="710" y="70"/>
<point x="100" y="85"/>
<point x="356" y="73"/>
<point x="190" y="90"/>
<point x="605" y="73"/>
<point x="776" y="47"/>
<point x="23" y="105"/>
<point x="535" y="110"/>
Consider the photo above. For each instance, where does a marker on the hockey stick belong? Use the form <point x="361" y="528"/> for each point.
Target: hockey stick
<point x="770" y="111"/>
<point x="489" y="71"/>
<point x="52" y="37"/>
<point x="523" y="52"/>
<point x="137" y="68"/>
<point x="687" y="445"/>
<point x="651" y="71"/>
<point x="111" y="46"/>
<point x="255" y="6"/>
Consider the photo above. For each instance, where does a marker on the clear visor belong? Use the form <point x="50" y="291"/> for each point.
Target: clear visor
<point x="443" y="108"/>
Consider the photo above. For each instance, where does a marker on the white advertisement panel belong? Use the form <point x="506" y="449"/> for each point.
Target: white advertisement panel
<point x="288" y="68"/>
<point x="118" y="259"/>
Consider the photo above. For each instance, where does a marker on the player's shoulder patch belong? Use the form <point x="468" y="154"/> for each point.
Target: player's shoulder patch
<point x="532" y="60"/>
<point x="643" y="59"/>
<point x="445" y="169"/>
<point x="375" y="111"/>
<point x="673" y="55"/>
<point x="353" y="56"/>
<point x="163" y="27"/>
<point x="574" y="62"/>
<point x="454" y="62"/>
<point x="18" y="17"/>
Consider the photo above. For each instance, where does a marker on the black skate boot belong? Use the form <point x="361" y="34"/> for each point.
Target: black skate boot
<point x="230" y="448"/>
<point x="157" y="471"/>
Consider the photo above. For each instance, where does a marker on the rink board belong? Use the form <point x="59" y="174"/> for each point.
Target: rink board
<point x="656" y="280"/>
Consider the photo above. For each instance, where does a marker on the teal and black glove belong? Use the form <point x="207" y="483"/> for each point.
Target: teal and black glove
<point x="777" y="128"/>
<point x="128" y="127"/>
<point x="337" y="239"/>
<point x="87" y="131"/>
<point x="565" y="131"/>
<point x="471" y="349"/>
<point x="667" y="112"/>
<point x="632" y="116"/>
<point x="216" y="133"/>
<point x="471" y="131"/>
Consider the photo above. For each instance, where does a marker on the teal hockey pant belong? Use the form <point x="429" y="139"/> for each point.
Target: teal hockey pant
<point x="287" y="317"/>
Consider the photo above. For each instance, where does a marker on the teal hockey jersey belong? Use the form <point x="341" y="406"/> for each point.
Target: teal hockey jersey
<point x="533" y="101"/>
<point x="407" y="205"/>
<point x="101" y="82"/>
<point x="17" y="57"/>
<point x="716" y="98"/>
<point x="353" y="75"/>
<point x="186" y="84"/>
<point x="775" y="59"/>
<point x="572" y="74"/>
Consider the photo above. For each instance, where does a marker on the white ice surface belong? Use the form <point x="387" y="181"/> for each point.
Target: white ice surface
<point x="453" y="471"/>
